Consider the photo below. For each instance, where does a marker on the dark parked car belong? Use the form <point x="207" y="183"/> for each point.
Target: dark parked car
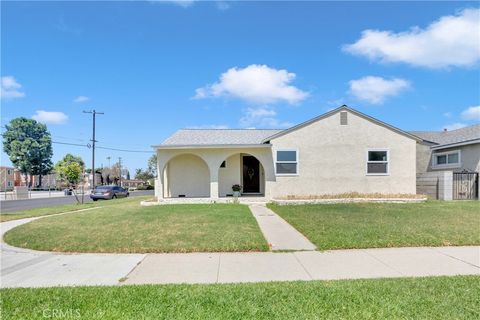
<point x="108" y="192"/>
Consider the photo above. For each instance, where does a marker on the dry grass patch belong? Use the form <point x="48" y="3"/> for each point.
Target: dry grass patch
<point x="354" y="195"/>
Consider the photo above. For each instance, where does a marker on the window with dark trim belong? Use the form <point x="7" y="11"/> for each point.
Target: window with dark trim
<point x="377" y="162"/>
<point x="446" y="159"/>
<point x="286" y="162"/>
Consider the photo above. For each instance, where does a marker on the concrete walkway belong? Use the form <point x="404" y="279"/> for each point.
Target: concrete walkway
<point x="279" y="234"/>
<point x="28" y="268"/>
<point x="306" y="265"/>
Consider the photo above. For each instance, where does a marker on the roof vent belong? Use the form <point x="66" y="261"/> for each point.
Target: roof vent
<point x="343" y="118"/>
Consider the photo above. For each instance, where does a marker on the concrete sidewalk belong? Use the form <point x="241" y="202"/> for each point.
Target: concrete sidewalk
<point x="306" y="265"/>
<point x="28" y="268"/>
<point x="279" y="234"/>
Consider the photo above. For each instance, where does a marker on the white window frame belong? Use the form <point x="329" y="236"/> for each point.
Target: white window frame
<point x="297" y="162"/>
<point x="446" y="165"/>
<point x="387" y="162"/>
<point x="9" y="183"/>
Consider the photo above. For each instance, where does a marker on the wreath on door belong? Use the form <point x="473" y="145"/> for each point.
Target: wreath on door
<point x="250" y="173"/>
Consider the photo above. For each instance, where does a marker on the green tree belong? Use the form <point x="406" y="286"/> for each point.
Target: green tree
<point x="29" y="147"/>
<point x="143" y="175"/>
<point x="152" y="165"/>
<point x="70" y="170"/>
<point x="67" y="166"/>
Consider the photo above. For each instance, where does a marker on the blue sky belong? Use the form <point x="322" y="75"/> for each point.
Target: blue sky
<point x="154" y="67"/>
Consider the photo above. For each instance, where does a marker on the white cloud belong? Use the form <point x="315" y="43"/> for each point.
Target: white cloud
<point x="472" y="113"/>
<point x="53" y="117"/>
<point x="258" y="84"/>
<point x="262" y="117"/>
<point x="449" y="41"/>
<point x="447" y="114"/>
<point x="376" y="89"/>
<point x="81" y="99"/>
<point x="455" y="126"/>
<point x="10" y="88"/>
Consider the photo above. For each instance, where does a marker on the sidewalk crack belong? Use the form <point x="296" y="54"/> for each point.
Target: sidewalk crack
<point x="303" y="267"/>
<point x="384" y="263"/>
<point x="453" y="257"/>
<point x="218" y="268"/>
<point x="135" y="267"/>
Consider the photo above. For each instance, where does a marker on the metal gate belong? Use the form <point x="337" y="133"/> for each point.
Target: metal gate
<point x="465" y="185"/>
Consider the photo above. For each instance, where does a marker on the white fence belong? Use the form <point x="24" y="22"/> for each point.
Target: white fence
<point x="20" y="193"/>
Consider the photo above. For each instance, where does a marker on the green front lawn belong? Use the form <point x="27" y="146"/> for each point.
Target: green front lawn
<point x="64" y="208"/>
<point x="369" y="225"/>
<point x="126" y="226"/>
<point x="408" y="298"/>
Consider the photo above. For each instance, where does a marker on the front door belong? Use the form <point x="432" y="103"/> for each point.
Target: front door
<point x="251" y="175"/>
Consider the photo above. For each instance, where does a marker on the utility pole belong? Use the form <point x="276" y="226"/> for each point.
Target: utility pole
<point x="94" y="113"/>
<point x="120" y="168"/>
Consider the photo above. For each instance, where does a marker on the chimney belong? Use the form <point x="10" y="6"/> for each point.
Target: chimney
<point x="445" y="130"/>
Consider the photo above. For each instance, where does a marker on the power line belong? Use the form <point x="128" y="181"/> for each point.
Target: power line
<point x="100" y="147"/>
<point x="72" y="144"/>
<point x="125" y="150"/>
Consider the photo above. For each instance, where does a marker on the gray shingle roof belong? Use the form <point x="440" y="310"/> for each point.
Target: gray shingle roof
<point x="450" y="137"/>
<point x="187" y="137"/>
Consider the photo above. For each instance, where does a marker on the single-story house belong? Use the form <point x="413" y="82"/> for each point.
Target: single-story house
<point x="456" y="150"/>
<point x="448" y="163"/>
<point x="132" y="183"/>
<point x="338" y="152"/>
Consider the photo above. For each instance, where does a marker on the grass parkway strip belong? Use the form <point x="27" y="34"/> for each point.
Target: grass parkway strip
<point x="408" y="298"/>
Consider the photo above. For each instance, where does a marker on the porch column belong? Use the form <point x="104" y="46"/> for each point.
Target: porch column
<point x="213" y="184"/>
<point x="158" y="189"/>
<point x="161" y="162"/>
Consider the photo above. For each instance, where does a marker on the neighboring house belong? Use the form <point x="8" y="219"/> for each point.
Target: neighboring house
<point x="50" y="180"/>
<point x="7" y="178"/>
<point x="456" y="150"/>
<point x="132" y="183"/>
<point x="338" y="152"/>
<point x="448" y="163"/>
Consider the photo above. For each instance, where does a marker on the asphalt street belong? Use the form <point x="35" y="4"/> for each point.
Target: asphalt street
<point x="18" y="205"/>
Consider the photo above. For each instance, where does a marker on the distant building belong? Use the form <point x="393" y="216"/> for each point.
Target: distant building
<point x="7" y="178"/>
<point x="50" y="180"/>
<point x="132" y="183"/>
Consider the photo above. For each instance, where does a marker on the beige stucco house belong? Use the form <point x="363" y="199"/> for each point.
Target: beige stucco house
<point x="448" y="163"/>
<point x="455" y="150"/>
<point x="338" y="152"/>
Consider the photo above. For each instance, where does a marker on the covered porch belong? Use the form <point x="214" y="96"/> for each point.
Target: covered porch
<point x="207" y="174"/>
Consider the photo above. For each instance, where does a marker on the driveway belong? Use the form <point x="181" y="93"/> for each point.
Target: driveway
<point x="28" y="268"/>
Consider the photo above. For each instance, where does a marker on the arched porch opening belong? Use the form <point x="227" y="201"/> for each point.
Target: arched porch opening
<point x="186" y="176"/>
<point x="244" y="169"/>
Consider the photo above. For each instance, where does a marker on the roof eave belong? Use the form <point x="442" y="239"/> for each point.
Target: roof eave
<point x="456" y="144"/>
<point x="212" y="146"/>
